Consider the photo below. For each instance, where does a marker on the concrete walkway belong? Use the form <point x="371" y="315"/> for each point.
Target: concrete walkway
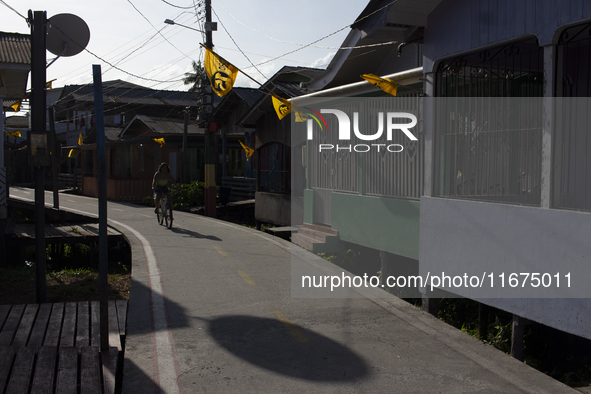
<point x="211" y="310"/>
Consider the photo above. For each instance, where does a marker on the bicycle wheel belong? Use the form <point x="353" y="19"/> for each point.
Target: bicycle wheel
<point x="160" y="213"/>
<point x="168" y="216"/>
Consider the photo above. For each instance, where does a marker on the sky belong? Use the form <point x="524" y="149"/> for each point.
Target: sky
<point x="125" y="33"/>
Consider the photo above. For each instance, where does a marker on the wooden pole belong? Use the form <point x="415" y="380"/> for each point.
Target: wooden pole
<point x="38" y="21"/>
<point x="102" y="196"/>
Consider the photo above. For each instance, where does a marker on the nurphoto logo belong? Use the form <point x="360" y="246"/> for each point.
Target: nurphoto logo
<point x="390" y="119"/>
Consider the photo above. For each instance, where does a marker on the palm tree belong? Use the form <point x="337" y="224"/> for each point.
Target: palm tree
<point x="196" y="77"/>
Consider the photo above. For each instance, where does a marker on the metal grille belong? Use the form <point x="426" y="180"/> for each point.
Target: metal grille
<point x="489" y="147"/>
<point x="572" y="176"/>
<point x="396" y="174"/>
<point x="334" y="170"/>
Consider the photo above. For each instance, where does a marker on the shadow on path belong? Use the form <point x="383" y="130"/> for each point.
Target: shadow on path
<point x="193" y="234"/>
<point x="267" y="344"/>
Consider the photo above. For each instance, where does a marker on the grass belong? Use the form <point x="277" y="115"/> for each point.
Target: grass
<point x="18" y="285"/>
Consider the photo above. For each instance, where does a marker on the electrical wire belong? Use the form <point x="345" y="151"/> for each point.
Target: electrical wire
<point x="129" y="1"/>
<point x="237" y="46"/>
<point x="316" y="46"/>
<point x="15" y="11"/>
<point x="177" y="6"/>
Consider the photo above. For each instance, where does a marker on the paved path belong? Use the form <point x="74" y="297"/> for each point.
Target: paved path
<point x="211" y="311"/>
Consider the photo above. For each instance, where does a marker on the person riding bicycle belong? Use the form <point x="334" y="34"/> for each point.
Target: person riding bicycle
<point x="162" y="179"/>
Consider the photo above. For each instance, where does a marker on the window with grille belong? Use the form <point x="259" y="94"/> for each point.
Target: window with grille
<point x="572" y="168"/>
<point x="488" y="129"/>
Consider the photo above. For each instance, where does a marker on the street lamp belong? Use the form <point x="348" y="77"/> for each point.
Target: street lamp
<point x="171" y="22"/>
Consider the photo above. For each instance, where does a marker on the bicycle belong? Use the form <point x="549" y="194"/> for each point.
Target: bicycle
<point x="164" y="211"/>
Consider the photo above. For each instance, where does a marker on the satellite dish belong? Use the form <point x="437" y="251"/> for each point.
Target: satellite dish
<point x="67" y="35"/>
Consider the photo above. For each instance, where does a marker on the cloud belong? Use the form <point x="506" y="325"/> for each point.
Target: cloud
<point x="268" y="71"/>
<point x="323" y="61"/>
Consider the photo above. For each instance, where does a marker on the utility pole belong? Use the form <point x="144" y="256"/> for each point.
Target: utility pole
<point x="184" y="149"/>
<point x="210" y="152"/>
<point x="38" y="140"/>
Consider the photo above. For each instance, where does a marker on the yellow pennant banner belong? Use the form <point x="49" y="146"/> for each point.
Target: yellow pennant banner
<point x="282" y="107"/>
<point x="160" y="141"/>
<point x="17" y="106"/>
<point x="386" y="84"/>
<point x="80" y="139"/>
<point x="220" y="72"/>
<point x="249" y="151"/>
<point x="74" y="153"/>
<point x="14" y="134"/>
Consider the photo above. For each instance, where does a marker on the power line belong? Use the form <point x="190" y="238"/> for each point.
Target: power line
<point x="129" y="1"/>
<point x="316" y="46"/>
<point x="15" y="11"/>
<point x="177" y="6"/>
<point x="237" y="46"/>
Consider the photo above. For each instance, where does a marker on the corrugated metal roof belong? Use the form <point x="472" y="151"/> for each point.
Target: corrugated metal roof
<point x="134" y="96"/>
<point x="160" y="126"/>
<point x="15" y="48"/>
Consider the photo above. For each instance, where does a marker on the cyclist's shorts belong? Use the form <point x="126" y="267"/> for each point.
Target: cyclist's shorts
<point x="161" y="189"/>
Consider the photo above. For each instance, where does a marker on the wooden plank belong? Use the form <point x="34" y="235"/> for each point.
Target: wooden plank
<point x="25" y="326"/>
<point x="69" y="325"/>
<point x="121" y="315"/>
<point x="44" y="374"/>
<point x="67" y="371"/>
<point x="54" y="328"/>
<point x="22" y="372"/>
<point x="95" y="323"/>
<point x="4" y="311"/>
<point x="11" y="324"/>
<point x="90" y="376"/>
<point x="83" y="325"/>
<point x="109" y="363"/>
<point x="6" y="357"/>
<point x="40" y="326"/>
<point x="114" y="338"/>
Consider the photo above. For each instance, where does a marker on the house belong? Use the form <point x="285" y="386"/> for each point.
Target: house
<point x="237" y="174"/>
<point x="134" y="117"/>
<point x="349" y="199"/>
<point x="15" y="64"/>
<point x="494" y="196"/>
<point x="133" y="155"/>
<point x="272" y="144"/>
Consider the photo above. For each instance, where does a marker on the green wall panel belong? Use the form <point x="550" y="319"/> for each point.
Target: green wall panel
<point x="386" y="224"/>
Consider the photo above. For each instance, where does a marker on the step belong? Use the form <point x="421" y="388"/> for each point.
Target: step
<point x="303" y="241"/>
<point x="318" y="236"/>
<point x="322" y="229"/>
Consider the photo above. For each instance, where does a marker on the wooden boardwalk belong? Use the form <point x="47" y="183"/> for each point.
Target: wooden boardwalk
<point x="54" y="348"/>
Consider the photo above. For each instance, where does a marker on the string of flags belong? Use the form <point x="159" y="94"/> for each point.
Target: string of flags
<point x="17" y="105"/>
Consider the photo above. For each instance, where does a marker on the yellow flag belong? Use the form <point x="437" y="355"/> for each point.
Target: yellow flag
<point x="221" y="74"/>
<point x="14" y="134"/>
<point x="17" y="106"/>
<point x="48" y="85"/>
<point x="160" y="141"/>
<point x="74" y="153"/>
<point x="386" y="84"/>
<point x="80" y="139"/>
<point x="282" y="107"/>
<point x="249" y="151"/>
